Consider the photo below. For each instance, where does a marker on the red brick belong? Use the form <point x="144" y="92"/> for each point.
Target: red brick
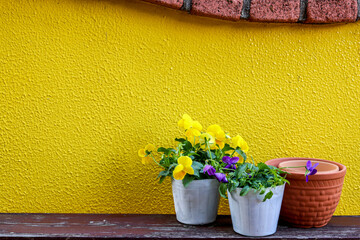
<point x="331" y="11"/>
<point x="224" y="9"/>
<point x="176" y="4"/>
<point x="275" y="10"/>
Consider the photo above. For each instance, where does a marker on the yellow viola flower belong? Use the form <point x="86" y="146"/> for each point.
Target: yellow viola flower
<point x="144" y="159"/>
<point x="227" y="139"/>
<point x="150" y="147"/>
<point x="183" y="167"/>
<point x="142" y="153"/>
<point x="210" y="139"/>
<point x="194" y="130"/>
<point x="219" y="135"/>
<point x="238" y="141"/>
<point x="185" y="122"/>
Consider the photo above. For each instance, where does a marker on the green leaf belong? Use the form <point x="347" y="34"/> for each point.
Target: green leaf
<point x="172" y="150"/>
<point x="233" y="185"/>
<point x="222" y="190"/>
<point x="163" y="174"/>
<point x="241" y="170"/>
<point x="226" y="148"/>
<point x="244" y="190"/>
<point x="197" y="167"/>
<point x="192" y="153"/>
<point x="187" y="146"/>
<point x="180" y="140"/>
<point x="268" y="196"/>
<point x="262" y="166"/>
<point x="210" y="155"/>
<point x="241" y="153"/>
<point x="272" y="167"/>
<point x="242" y="182"/>
<point x="187" y="179"/>
<point x="172" y="166"/>
<point x="162" y="178"/>
<point x="162" y="149"/>
<point x="166" y="151"/>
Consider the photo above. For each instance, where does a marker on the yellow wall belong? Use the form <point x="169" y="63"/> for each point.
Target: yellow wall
<point x="84" y="84"/>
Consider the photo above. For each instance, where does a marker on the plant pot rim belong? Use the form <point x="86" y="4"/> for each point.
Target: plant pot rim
<point x="323" y="168"/>
<point x="197" y="183"/>
<point x="334" y="175"/>
<point x="212" y="179"/>
<point x="252" y="189"/>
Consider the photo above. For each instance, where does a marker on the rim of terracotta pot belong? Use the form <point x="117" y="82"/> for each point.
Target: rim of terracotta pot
<point x="322" y="168"/>
<point x="334" y="175"/>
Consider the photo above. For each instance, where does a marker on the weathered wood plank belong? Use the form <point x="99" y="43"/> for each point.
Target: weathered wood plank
<point x="122" y="226"/>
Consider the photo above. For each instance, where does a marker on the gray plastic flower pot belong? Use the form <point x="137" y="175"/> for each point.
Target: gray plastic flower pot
<point x="251" y="216"/>
<point x="198" y="203"/>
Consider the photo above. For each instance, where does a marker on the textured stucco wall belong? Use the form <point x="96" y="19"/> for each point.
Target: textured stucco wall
<point x="84" y="84"/>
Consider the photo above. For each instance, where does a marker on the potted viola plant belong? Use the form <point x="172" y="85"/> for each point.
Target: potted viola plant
<point x="195" y="192"/>
<point x="255" y="193"/>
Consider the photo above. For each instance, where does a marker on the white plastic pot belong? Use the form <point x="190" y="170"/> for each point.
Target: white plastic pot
<point x="251" y="216"/>
<point x="198" y="203"/>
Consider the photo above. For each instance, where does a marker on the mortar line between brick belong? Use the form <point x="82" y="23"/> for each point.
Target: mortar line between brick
<point x="303" y="8"/>
<point x="186" y="5"/>
<point x="358" y="8"/>
<point x="245" y="11"/>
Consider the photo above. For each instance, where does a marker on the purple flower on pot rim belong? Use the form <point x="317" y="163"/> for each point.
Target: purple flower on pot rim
<point x="310" y="170"/>
<point x="210" y="170"/>
<point x="230" y="161"/>
<point x="221" y="177"/>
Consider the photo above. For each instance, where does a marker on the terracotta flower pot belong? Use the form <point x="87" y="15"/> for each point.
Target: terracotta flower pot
<point x="311" y="204"/>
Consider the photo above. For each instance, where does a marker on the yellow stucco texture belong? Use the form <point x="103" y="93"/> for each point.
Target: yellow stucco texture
<point x="84" y="84"/>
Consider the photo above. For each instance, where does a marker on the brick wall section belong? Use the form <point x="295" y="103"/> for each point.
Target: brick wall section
<point x="176" y="4"/>
<point x="230" y="10"/>
<point x="275" y="10"/>
<point x="325" y="11"/>
<point x="288" y="11"/>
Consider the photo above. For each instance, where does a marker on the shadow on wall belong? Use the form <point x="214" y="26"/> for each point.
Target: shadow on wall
<point x="185" y="18"/>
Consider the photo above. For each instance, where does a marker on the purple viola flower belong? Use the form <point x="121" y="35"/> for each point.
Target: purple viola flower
<point x="310" y="170"/>
<point x="221" y="177"/>
<point x="210" y="170"/>
<point x="230" y="161"/>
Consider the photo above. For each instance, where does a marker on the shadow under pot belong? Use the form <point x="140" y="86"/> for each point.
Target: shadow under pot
<point x="198" y="203"/>
<point x="310" y="204"/>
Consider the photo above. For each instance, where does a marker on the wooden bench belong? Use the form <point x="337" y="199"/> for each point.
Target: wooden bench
<point x="123" y="226"/>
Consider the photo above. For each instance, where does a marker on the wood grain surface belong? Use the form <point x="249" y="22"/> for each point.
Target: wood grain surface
<point x="122" y="226"/>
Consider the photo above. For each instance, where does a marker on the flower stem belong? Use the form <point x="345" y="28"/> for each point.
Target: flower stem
<point x="208" y="147"/>
<point x="152" y="156"/>
<point x="230" y="169"/>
